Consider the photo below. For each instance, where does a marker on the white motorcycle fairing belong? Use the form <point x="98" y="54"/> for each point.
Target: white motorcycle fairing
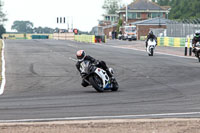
<point x="104" y="76"/>
<point x="151" y="44"/>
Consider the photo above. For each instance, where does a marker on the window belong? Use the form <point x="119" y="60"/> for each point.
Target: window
<point x="138" y="15"/>
<point x="133" y="15"/>
<point x="149" y="15"/>
<point x="107" y="18"/>
<point x="112" y="18"/>
<point x="155" y="14"/>
<point x="121" y="16"/>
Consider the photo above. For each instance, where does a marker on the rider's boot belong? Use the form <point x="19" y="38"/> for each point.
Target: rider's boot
<point x="110" y="75"/>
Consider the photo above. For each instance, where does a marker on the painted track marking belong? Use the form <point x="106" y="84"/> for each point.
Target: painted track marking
<point x="3" y="82"/>
<point x="105" y="117"/>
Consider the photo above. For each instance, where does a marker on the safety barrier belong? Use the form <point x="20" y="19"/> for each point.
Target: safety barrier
<point x="170" y="41"/>
<point x="143" y="38"/>
<point x="63" y="36"/>
<point x="176" y="42"/>
<point x="26" y="36"/>
<point x="85" y="38"/>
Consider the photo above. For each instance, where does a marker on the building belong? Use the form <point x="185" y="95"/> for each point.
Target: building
<point x="138" y="11"/>
<point x="157" y="25"/>
<point x="109" y="19"/>
<point x="142" y="10"/>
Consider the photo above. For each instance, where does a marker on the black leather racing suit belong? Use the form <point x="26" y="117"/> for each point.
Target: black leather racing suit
<point x="100" y="64"/>
<point x="194" y="42"/>
<point x="151" y="36"/>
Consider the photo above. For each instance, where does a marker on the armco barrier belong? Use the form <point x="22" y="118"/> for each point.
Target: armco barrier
<point x="24" y="36"/>
<point x="170" y="41"/>
<point x="85" y="38"/>
<point x="176" y="42"/>
<point x="143" y="38"/>
<point x="63" y="36"/>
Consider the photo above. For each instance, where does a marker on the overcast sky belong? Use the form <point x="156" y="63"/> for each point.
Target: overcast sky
<point x="85" y="13"/>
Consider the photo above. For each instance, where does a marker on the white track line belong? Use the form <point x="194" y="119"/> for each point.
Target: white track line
<point x="3" y="82"/>
<point x="156" y="52"/>
<point x="144" y="116"/>
<point x="146" y="51"/>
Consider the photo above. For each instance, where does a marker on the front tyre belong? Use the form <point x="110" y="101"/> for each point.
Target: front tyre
<point x="96" y="82"/>
<point x="151" y="51"/>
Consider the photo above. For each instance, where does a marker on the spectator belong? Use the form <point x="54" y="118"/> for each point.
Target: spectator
<point x="113" y="34"/>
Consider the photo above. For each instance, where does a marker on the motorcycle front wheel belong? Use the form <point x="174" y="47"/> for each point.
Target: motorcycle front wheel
<point x="151" y="52"/>
<point x="96" y="82"/>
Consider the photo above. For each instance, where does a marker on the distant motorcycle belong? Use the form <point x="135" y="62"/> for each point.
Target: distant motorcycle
<point x="197" y="51"/>
<point x="151" y="46"/>
<point x="120" y="36"/>
<point x="97" y="77"/>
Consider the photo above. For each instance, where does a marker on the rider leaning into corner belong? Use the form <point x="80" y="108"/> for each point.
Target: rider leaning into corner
<point x="151" y="35"/>
<point x="195" y="39"/>
<point x="81" y="56"/>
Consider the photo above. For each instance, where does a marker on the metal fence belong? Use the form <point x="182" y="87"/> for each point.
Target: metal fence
<point x="159" y="32"/>
<point x="185" y="28"/>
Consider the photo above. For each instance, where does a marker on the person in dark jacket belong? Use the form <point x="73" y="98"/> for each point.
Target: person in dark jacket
<point x="151" y="35"/>
<point x="81" y="56"/>
<point x="195" y="39"/>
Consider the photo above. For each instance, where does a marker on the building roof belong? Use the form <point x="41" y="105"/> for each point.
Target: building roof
<point x="144" y="5"/>
<point x="153" y="21"/>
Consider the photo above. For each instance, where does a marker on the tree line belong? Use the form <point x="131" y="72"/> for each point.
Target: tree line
<point x="2" y="19"/>
<point x="182" y="9"/>
<point x="27" y="27"/>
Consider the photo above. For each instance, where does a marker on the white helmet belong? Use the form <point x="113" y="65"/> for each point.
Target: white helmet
<point x="197" y="33"/>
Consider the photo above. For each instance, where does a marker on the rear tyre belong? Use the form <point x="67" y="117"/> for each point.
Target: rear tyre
<point x="197" y="55"/>
<point x="115" y="86"/>
<point x="96" y="82"/>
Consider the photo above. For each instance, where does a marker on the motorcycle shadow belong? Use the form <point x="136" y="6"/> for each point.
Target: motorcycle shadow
<point x="106" y="91"/>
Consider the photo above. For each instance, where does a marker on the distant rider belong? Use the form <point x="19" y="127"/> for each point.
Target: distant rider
<point x="81" y="56"/>
<point x="151" y="35"/>
<point x="195" y="39"/>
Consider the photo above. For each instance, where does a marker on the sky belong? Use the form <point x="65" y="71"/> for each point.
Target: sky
<point x="84" y="14"/>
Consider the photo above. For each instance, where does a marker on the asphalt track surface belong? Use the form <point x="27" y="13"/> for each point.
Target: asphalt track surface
<point x="42" y="83"/>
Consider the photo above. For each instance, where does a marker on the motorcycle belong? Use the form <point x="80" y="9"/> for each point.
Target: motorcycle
<point x="120" y="36"/>
<point x="197" y="51"/>
<point x="151" y="46"/>
<point x="97" y="77"/>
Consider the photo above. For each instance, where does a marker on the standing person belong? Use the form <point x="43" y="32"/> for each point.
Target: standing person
<point x="113" y="34"/>
<point x="110" y="35"/>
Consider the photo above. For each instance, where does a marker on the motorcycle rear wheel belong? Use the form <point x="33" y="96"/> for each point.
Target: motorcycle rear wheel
<point x="115" y="86"/>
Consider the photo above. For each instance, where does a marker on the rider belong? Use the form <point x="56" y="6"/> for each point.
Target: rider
<point x="81" y="56"/>
<point x="151" y="35"/>
<point x="195" y="39"/>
